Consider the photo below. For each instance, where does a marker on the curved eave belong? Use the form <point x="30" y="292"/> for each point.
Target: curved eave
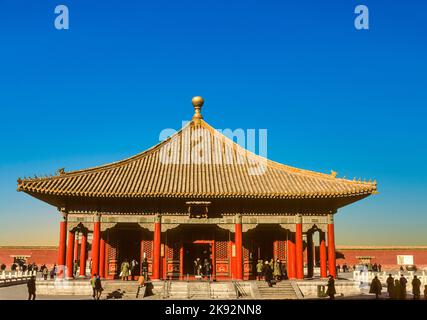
<point x="33" y="191"/>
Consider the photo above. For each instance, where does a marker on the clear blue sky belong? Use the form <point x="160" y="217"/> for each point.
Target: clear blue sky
<point x="331" y="97"/>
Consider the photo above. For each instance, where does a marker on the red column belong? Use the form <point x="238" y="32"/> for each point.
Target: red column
<point x="331" y="247"/>
<point x="299" y="248"/>
<point x="181" y="261"/>
<point x="322" y="253"/>
<point x="95" y="244"/>
<point x="62" y="246"/>
<point x="83" y="255"/>
<point x="291" y="256"/>
<point x="70" y="255"/>
<point x="156" y="248"/>
<point x="102" y="258"/>
<point x="239" y="247"/>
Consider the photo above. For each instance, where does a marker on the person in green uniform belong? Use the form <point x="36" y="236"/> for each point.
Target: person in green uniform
<point x="277" y="270"/>
<point x="124" y="270"/>
<point x="259" y="269"/>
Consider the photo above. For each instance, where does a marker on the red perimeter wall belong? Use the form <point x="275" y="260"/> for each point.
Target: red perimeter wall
<point x="386" y="256"/>
<point x="39" y="255"/>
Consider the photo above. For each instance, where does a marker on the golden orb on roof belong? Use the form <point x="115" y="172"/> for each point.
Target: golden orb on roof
<point x="197" y="104"/>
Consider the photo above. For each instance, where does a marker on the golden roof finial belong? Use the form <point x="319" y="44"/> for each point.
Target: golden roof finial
<point x="197" y="103"/>
<point x="334" y="173"/>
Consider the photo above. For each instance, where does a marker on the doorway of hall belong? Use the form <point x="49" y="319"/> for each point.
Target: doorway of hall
<point x="129" y="249"/>
<point x="198" y="260"/>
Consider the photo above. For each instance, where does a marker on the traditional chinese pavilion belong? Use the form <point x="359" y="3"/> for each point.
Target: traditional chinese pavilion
<point x="197" y="194"/>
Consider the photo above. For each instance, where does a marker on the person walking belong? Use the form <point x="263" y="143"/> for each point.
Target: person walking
<point x="425" y="292"/>
<point x="390" y="286"/>
<point x="31" y="285"/>
<point x="98" y="287"/>
<point x="376" y="287"/>
<point x="92" y="283"/>
<point x="403" y="282"/>
<point x="53" y="272"/>
<point x="331" y="288"/>
<point x="284" y="271"/>
<point x="133" y="268"/>
<point x="124" y="270"/>
<point x="45" y="272"/>
<point x="259" y="270"/>
<point x="268" y="273"/>
<point x="416" y="285"/>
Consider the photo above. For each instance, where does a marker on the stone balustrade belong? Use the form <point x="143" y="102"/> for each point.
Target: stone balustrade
<point x="8" y="278"/>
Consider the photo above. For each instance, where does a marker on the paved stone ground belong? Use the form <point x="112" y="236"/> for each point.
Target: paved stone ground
<point x="19" y="292"/>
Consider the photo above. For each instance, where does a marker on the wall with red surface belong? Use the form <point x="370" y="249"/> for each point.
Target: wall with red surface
<point x="38" y="255"/>
<point x="387" y="257"/>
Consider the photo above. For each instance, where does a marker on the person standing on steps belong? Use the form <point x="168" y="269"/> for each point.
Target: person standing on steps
<point x="98" y="287"/>
<point x="133" y="268"/>
<point x="277" y="270"/>
<point x="92" y="283"/>
<point x="331" y="288"/>
<point x="259" y="270"/>
<point x="268" y="273"/>
<point x="124" y="270"/>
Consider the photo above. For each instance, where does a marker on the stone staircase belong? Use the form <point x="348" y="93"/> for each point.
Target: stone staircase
<point x="281" y="290"/>
<point x="177" y="290"/>
<point x="222" y="290"/>
<point x="199" y="290"/>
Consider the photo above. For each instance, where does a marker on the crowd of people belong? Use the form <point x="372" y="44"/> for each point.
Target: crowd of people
<point x="202" y="268"/>
<point x="396" y="288"/>
<point x="269" y="270"/>
<point x="272" y="271"/>
<point x="131" y="270"/>
<point x="369" y="267"/>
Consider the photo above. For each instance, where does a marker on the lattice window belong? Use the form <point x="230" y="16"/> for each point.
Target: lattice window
<point x="246" y="252"/>
<point x="221" y="249"/>
<point x="174" y="251"/>
<point x="147" y="247"/>
<point x="281" y="250"/>
<point x="112" y="249"/>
